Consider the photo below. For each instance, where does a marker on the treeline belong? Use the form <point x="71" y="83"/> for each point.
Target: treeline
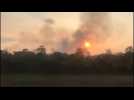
<point x="26" y="61"/>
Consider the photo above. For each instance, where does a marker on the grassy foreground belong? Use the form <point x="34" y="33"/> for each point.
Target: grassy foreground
<point x="36" y="80"/>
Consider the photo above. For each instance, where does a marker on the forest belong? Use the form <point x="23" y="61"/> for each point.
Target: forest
<point x="39" y="62"/>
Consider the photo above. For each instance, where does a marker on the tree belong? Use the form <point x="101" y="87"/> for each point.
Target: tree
<point x="57" y="62"/>
<point x="108" y="51"/>
<point x="129" y="49"/>
<point x="41" y="50"/>
<point x="4" y="52"/>
<point x="79" y="52"/>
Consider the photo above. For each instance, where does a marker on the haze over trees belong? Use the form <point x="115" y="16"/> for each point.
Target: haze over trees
<point x="40" y="62"/>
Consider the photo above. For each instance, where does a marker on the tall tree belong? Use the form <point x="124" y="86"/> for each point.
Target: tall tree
<point x="41" y="50"/>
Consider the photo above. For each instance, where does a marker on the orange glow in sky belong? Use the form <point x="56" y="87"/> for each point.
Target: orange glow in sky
<point x="66" y="31"/>
<point x="87" y="45"/>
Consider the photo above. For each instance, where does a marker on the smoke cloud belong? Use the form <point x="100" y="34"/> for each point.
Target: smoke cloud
<point x="65" y="43"/>
<point x="102" y="29"/>
<point x="49" y="21"/>
<point x="95" y="26"/>
<point x="53" y="38"/>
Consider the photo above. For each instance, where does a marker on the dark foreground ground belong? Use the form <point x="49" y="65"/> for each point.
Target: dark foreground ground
<point x="29" y="80"/>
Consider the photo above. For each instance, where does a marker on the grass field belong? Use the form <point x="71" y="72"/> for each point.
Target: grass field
<point x="33" y="80"/>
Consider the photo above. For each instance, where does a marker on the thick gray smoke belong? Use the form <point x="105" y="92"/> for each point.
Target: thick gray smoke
<point x="49" y="21"/>
<point x="95" y="26"/>
<point x="53" y="38"/>
<point x="64" y="43"/>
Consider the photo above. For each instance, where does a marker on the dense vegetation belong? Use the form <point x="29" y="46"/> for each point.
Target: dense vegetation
<point x="26" y="61"/>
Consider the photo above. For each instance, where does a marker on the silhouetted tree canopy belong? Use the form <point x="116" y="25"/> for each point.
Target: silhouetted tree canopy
<point x="26" y="61"/>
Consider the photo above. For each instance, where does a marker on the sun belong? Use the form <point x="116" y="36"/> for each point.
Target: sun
<point x="87" y="44"/>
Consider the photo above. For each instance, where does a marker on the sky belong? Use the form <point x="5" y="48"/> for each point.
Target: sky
<point x="67" y="31"/>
